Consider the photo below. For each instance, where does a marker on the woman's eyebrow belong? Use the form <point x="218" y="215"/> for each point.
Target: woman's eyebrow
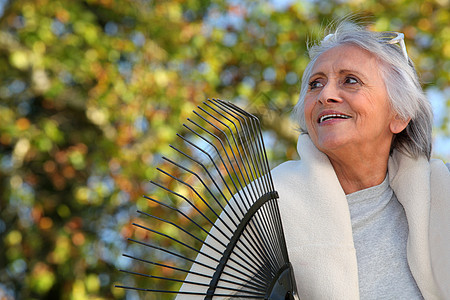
<point x="316" y="74"/>
<point x="341" y="72"/>
<point x="347" y="71"/>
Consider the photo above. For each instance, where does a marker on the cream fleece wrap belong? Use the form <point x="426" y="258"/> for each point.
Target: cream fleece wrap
<point x="317" y="225"/>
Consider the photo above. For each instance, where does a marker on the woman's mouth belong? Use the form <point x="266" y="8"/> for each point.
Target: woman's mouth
<point x="326" y="117"/>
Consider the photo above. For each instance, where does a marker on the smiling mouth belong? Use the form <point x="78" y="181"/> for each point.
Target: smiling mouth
<point x="332" y="116"/>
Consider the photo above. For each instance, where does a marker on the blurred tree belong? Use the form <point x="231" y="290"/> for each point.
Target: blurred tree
<point x="93" y="91"/>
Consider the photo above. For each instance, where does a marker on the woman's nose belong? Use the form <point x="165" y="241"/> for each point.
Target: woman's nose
<point x="329" y="94"/>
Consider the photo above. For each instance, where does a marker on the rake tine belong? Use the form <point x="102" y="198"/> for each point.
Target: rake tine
<point x="246" y="182"/>
<point x="223" y="132"/>
<point x="244" y="129"/>
<point x="198" y="251"/>
<point x="236" y="188"/>
<point x="182" y="229"/>
<point x="165" y="266"/>
<point x="188" y="201"/>
<point x="191" y="188"/>
<point x="257" y="127"/>
<point x="204" y="185"/>
<point x="247" y="118"/>
<point x="255" y="282"/>
<point x="259" y="296"/>
<point x="261" y="144"/>
<point x="178" y="211"/>
<point x="206" y="170"/>
<point x="198" y="239"/>
<point x="186" y="271"/>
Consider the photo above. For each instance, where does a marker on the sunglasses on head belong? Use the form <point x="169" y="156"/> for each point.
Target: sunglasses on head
<point x="394" y="38"/>
<point x="388" y="37"/>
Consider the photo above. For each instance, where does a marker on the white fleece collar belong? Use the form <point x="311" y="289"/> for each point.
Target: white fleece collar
<point x="410" y="180"/>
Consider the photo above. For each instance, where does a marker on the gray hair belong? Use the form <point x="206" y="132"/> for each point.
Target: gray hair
<point x="402" y="84"/>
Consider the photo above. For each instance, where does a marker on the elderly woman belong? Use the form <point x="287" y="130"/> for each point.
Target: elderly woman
<point x="372" y="218"/>
<point x="366" y="213"/>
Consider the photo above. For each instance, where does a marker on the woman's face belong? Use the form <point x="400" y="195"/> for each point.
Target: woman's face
<point x="347" y="104"/>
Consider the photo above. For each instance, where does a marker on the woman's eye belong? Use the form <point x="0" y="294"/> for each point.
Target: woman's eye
<point x="351" y="80"/>
<point x="315" y="84"/>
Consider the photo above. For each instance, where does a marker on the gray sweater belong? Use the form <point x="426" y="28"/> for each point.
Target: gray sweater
<point x="380" y="232"/>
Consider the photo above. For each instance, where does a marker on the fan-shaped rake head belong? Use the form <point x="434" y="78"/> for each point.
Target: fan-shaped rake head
<point x="216" y="219"/>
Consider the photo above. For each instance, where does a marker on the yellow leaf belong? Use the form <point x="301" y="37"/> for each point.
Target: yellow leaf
<point x="20" y="60"/>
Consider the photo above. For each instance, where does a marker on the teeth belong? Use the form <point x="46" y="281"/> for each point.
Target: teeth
<point x="323" y="118"/>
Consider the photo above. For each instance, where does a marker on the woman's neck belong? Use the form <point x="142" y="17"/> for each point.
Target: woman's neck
<point x="358" y="172"/>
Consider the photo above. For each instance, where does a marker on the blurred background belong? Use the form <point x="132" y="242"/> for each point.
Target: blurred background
<point x="92" y="92"/>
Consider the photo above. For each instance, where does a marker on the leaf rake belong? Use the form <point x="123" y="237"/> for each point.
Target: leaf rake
<point x="220" y="234"/>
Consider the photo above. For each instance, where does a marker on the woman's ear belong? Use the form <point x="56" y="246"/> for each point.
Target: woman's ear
<point x="398" y="124"/>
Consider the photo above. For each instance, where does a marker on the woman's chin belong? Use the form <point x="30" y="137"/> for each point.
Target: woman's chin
<point x="330" y="143"/>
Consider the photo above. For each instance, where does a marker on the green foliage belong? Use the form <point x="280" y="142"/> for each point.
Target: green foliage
<point x="92" y="92"/>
